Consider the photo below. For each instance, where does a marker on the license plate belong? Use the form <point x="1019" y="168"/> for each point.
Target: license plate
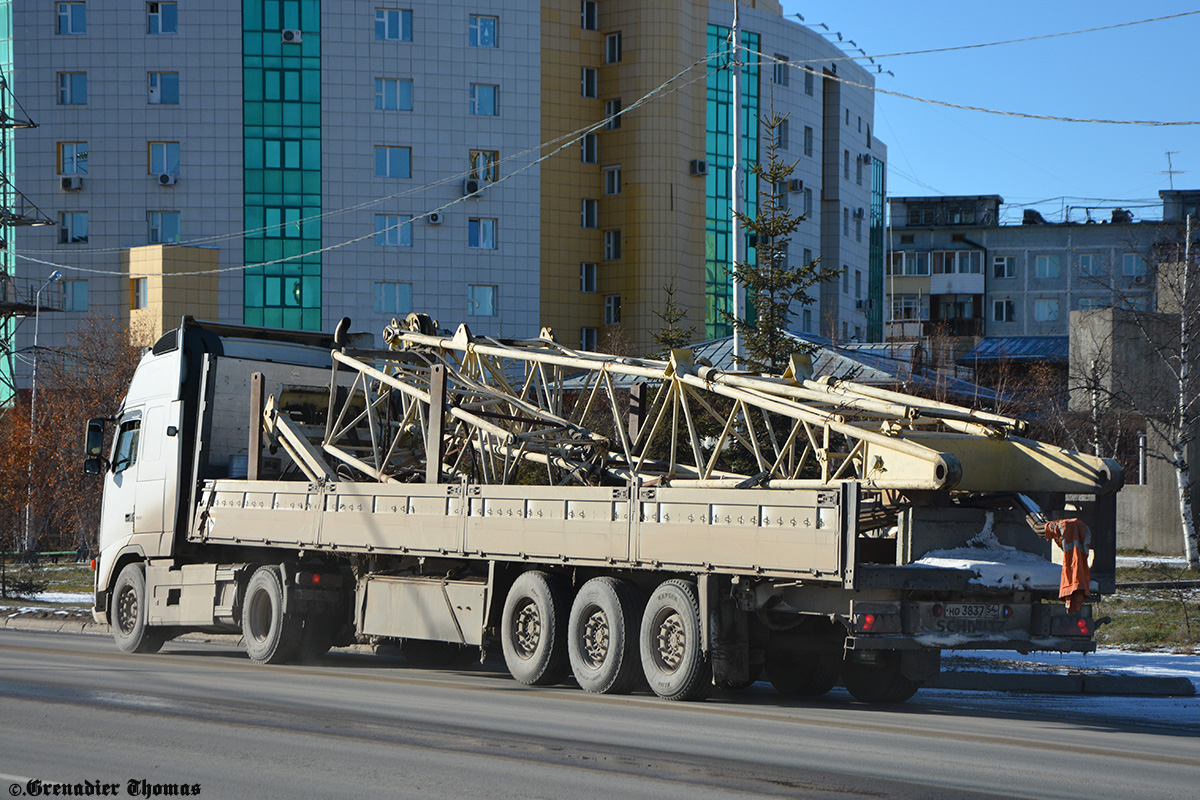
<point x="971" y="611"/>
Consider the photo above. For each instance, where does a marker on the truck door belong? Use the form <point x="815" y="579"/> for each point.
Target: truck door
<point x="121" y="484"/>
<point x="148" y="503"/>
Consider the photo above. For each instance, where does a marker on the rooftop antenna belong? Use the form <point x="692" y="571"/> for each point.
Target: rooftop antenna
<point x="1170" y="171"/>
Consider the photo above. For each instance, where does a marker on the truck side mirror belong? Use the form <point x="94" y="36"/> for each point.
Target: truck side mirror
<point x="94" y="439"/>
<point x="93" y="465"/>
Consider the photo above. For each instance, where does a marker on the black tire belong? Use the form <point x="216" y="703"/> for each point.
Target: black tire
<point x="672" y="661"/>
<point x="427" y="654"/>
<point x="271" y="635"/>
<point x="317" y="636"/>
<point x="880" y="682"/>
<point x="755" y="673"/>
<point x="128" y="614"/>
<point x="602" y="637"/>
<point x="533" y="630"/>
<point x="811" y="674"/>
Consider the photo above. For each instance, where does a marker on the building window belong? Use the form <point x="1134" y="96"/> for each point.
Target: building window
<point x="72" y="88"/>
<point x="612" y="179"/>
<point x="1004" y="311"/>
<point x="482" y="31"/>
<point x="808" y="140"/>
<point x="808" y="258"/>
<point x="845" y="221"/>
<point x="164" y="227"/>
<point x="781" y="134"/>
<point x="393" y="25"/>
<point x="858" y="171"/>
<point x="964" y="262"/>
<point x="587" y="277"/>
<point x="587" y="149"/>
<point x="612" y="245"/>
<point x="910" y="307"/>
<point x="393" y="162"/>
<point x="612" y="309"/>
<point x="484" y="100"/>
<point x="72" y="18"/>
<point x="587" y="82"/>
<point x="393" y="94"/>
<point x="1046" y="267"/>
<point x="1093" y="303"/>
<point x="846" y="164"/>
<point x="780" y="74"/>
<point x="1004" y="267"/>
<point x="72" y="227"/>
<point x="587" y="336"/>
<point x="779" y="192"/>
<point x="481" y="301"/>
<point x="481" y="233"/>
<point x="809" y="81"/>
<point x="845" y="279"/>
<point x="1089" y="264"/>
<point x="72" y="158"/>
<point x="164" y="88"/>
<point x="162" y="18"/>
<point x="137" y="293"/>
<point x="75" y="295"/>
<point x="858" y="221"/>
<point x="1132" y="264"/>
<point x="393" y="230"/>
<point x="485" y="165"/>
<point x="393" y="298"/>
<point x="847" y="116"/>
<point x="588" y="214"/>
<point x="1045" y="309"/>
<point x="612" y="112"/>
<point x="808" y="200"/>
<point x="612" y="48"/>
<point x="903" y="263"/>
<point x="588" y="17"/>
<point x="860" y="124"/>
<point x="857" y="284"/>
<point x="163" y="158"/>
<point x="281" y="222"/>
<point x="807" y="317"/>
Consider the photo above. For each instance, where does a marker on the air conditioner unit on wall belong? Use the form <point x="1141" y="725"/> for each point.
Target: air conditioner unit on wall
<point x="699" y="167"/>
<point x="866" y="158"/>
<point x="71" y="183"/>
<point x="472" y="187"/>
<point x="435" y="218"/>
<point x="291" y="37"/>
<point x="795" y="185"/>
<point x="859" y="213"/>
<point x="167" y="179"/>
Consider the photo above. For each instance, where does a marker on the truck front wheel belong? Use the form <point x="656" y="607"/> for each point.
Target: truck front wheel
<point x="272" y="636"/>
<point x="675" y="666"/>
<point x="602" y="637"/>
<point x="129" y="607"/>
<point x="533" y="631"/>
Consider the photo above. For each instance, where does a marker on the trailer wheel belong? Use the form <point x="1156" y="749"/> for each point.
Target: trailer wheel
<point x="810" y="675"/>
<point x="533" y="631"/>
<point x="878" y="682"/>
<point x="129" y="606"/>
<point x="272" y="636"/>
<point x="602" y="636"/>
<point x="674" y="665"/>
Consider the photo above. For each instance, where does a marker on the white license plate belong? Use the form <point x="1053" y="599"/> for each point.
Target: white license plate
<point x="971" y="611"/>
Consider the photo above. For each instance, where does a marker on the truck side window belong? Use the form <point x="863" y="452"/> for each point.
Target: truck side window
<point x="127" y="445"/>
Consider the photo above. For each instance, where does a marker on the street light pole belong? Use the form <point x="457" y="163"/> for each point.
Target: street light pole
<point x="37" y="318"/>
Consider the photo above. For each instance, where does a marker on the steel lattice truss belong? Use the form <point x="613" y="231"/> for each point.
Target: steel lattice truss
<point x="533" y="411"/>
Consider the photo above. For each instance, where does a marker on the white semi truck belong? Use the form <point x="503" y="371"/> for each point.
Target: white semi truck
<point x="630" y="522"/>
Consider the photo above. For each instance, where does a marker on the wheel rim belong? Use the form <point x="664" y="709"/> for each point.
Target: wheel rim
<point x="127" y="610"/>
<point x="526" y="630"/>
<point x="671" y="639"/>
<point x="259" y="616"/>
<point x="595" y="638"/>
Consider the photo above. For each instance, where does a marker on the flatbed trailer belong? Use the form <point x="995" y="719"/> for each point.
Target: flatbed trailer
<point x="629" y="522"/>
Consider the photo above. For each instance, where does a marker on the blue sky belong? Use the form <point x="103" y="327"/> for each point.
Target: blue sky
<point x="1149" y="71"/>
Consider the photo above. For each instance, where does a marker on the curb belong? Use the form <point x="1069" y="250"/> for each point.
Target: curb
<point x="1010" y="682"/>
<point x="1043" y="683"/>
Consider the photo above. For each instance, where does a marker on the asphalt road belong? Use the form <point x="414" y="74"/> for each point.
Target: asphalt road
<point x="73" y="709"/>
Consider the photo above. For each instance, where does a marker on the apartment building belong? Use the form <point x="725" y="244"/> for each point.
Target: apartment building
<point x="366" y="160"/>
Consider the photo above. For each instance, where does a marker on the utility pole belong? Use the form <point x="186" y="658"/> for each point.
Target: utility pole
<point x="735" y="244"/>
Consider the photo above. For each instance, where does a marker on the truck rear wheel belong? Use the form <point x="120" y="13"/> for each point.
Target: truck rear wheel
<point x="272" y="635"/>
<point x="129" y="607"/>
<point x="533" y="631"/>
<point x="602" y="636"/>
<point x="674" y="665"/>
<point x="879" y="681"/>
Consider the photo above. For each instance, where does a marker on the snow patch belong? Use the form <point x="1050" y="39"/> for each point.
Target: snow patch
<point x="77" y="598"/>
<point x="996" y="566"/>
